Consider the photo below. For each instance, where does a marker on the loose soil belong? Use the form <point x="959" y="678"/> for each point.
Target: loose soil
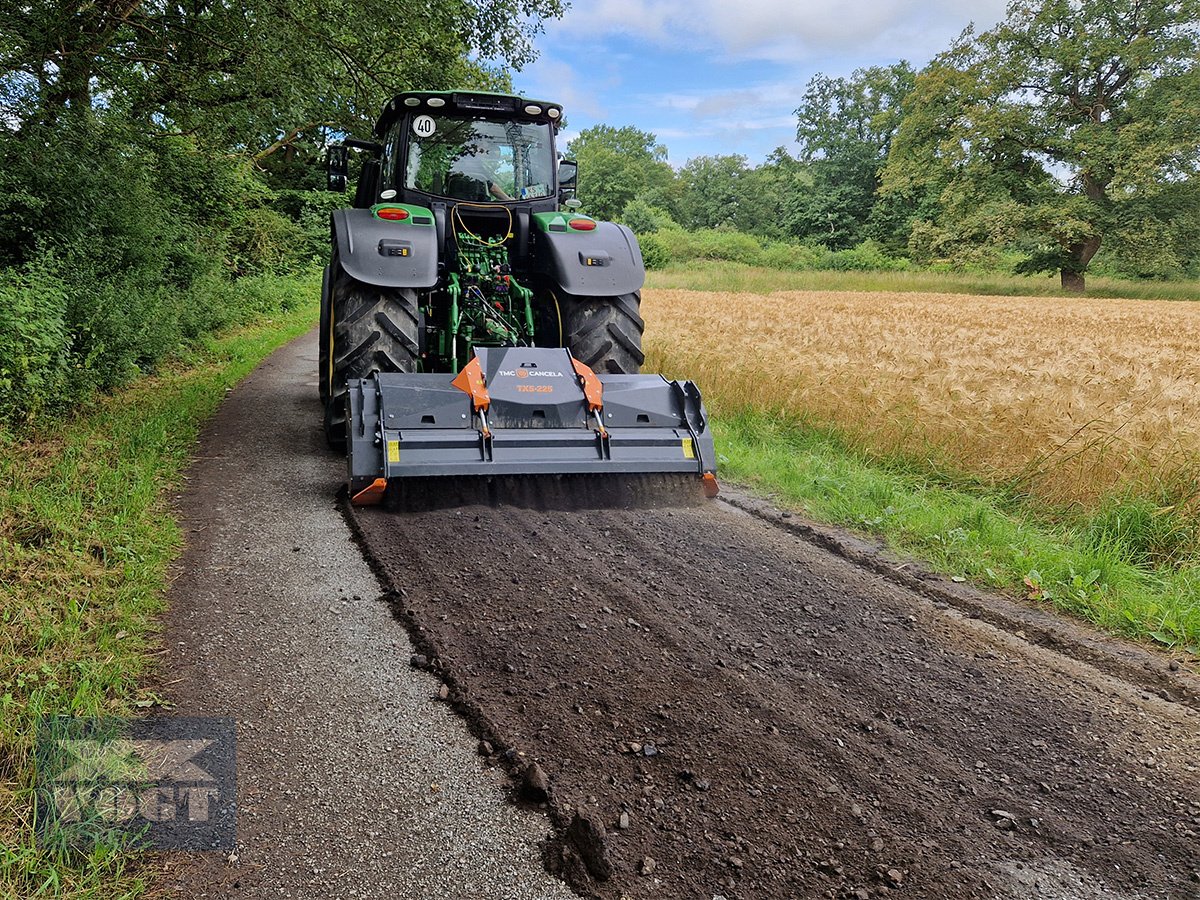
<point x="768" y="719"/>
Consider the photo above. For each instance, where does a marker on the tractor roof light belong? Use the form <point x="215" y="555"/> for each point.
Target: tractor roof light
<point x="553" y="112"/>
<point x="412" y="101"/>
<point x="435" y="102"/>
<point x="392" y="213"/>
<point x="583" y="224"/>
<point x="533" y="110"/>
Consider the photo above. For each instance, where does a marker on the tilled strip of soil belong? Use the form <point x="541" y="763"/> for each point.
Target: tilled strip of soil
<point x="750" y="716"/>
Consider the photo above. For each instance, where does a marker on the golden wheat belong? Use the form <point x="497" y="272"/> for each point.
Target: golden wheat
<point x="1080" y="396"/>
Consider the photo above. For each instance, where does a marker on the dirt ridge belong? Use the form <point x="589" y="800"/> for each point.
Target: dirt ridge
<point x="1149" y="669"/>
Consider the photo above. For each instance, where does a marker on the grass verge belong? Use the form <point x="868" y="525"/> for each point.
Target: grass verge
<point x="86" y="537"/>
<point x="715" y="275"/>
<point x="1098" y="565"/>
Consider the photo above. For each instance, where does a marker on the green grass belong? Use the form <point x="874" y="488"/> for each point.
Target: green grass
<point x="86" y="537"/>
<point x="713" y="275"/>
<point x="1128" y="567"/>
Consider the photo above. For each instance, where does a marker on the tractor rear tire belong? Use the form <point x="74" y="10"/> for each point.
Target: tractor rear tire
<point x="375" y="329"/>
<point x="604" y="333"/>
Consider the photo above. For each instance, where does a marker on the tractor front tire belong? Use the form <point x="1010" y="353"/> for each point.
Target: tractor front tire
<point x="604" y="333"/>
<point x="375" y="329"/>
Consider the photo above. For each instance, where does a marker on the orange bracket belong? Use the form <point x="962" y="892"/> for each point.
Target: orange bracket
<point x="592" y="389"/>
<point x="711" y="488"/>
<point x="471" y="381"/>
<point x="372" y="494"/>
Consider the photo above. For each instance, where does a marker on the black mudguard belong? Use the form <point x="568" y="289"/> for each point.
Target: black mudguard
<point x="601" y="263"/>
<point x="385" y="253"/>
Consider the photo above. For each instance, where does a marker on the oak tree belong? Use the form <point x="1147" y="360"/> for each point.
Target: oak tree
<point x="1056" y="129"/>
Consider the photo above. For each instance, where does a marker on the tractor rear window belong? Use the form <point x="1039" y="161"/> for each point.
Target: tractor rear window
<point x="479" y="160"/>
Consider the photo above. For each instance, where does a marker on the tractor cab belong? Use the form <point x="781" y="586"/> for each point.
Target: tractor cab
<point x="449" y="148"/>
<point x="477" y="160"/>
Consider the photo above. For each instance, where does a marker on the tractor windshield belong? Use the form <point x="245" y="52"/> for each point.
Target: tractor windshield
<point x="478" y="159"/>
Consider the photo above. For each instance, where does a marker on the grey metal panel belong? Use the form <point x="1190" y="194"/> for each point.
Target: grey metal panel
<point x="561" y="256"/>
<point x="364" y="454"/>
<point x="419" y="401"/>
<point x="650" y="400"/>
<point x="560" y="451"/>
<point x="359" y="235"/>
<point x="532" y="387"/>
<point x="639" y="400"/>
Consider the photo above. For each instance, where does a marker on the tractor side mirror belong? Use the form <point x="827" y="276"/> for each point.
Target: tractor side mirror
<point x="568" y="174"/>
<point x="337" y="167"/>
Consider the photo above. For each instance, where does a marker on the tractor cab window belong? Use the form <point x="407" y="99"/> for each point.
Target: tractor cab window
<point x="479" y="160"/>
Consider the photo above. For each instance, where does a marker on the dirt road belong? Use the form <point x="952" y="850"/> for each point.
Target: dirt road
<point x="743" y="713"/>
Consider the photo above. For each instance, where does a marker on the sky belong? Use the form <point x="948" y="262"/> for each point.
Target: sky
<point x="724" y="76"/>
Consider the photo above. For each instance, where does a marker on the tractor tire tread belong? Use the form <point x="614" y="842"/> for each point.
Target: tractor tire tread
<point x="605" y="333"/>
<point x="375" y="329"/>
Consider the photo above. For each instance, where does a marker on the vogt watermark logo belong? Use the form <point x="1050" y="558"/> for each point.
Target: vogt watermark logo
<point x="165" y="783"/>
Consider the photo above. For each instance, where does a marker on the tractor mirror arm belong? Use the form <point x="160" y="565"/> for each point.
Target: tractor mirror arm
<point x="376" y="149"/>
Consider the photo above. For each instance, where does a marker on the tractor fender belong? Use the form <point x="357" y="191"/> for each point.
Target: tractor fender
<point x="386" y="253"/>
<point x="604" y="262"/>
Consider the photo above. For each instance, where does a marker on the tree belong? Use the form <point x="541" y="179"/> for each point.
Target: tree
<point x="618" y="164"/>
<point x="1055" y="129"/>
<point x="845" y="128"/>
<point x="715" y="192"/>
<point x="250" y="76"/>
<point x="775" y="186"/>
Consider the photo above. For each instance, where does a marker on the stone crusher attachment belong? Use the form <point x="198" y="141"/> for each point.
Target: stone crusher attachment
<point x="523" y="411"/>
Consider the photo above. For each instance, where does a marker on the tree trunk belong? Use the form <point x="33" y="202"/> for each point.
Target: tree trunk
<point x="1072" y="281"/>
<point x="1081" y="253"/>
<point x="1078" y="255"/>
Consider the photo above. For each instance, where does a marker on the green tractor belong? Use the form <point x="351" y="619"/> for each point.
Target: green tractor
<point x="473" y="323"/>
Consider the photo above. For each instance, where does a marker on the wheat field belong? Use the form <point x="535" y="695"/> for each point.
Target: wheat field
<point x="1070" y="398"/>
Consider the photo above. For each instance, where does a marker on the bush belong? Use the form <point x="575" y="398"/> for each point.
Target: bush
<point x="34" y="359"/>
<point x="791" y="257"/>
<point x="731" y="246"/>
<point x="117" y="250"/>
<point x="654" y="252"/>
<point x="644" y="218"/>
<point x="735" y="246"/>
<point x="868" y="256"/>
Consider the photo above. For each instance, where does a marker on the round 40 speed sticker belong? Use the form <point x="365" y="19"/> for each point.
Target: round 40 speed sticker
<point x="424" y="126"/>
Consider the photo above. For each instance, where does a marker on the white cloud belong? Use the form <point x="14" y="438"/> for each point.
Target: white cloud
<point x="785" y="30"/>
<point x="557" y="81"/>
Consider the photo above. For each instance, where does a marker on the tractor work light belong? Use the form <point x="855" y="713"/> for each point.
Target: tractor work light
<point x="392" y="213"/>
<point x="582" y="224"/>
<point x="533" y="110"/>
<point x="553" y="113"/>
<point x="412" y="101"/>
<point x="487" y="103"/>
<point x="436" y="101"/>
